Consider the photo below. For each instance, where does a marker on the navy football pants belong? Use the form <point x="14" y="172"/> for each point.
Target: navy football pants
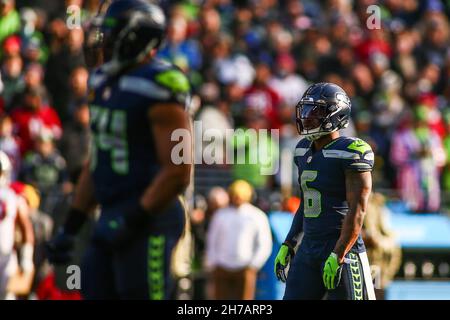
<point x="305" y="281"/>
<point x="142" y="271"/>
<point x="139" y="271"/>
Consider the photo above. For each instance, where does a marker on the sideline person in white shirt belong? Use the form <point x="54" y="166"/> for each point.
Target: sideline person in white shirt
<point x="239" y="242"/>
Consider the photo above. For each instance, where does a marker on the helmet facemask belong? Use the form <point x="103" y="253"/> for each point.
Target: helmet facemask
<point x="313" y="120"/>
<point x="323" y="109"/>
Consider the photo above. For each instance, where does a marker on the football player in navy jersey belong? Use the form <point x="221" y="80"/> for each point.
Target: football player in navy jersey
<point x="336" y="182"/>
<point x="136" y="102"/>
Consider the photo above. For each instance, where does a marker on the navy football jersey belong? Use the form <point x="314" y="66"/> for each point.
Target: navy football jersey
<point x="123" y="156"/>
<point x="322" y="184"/>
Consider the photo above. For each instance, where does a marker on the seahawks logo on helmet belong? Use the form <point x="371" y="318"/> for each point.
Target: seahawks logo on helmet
<point x="324" y="108"/>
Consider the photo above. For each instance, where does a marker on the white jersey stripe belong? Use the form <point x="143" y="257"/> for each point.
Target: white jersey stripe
<point x="340" y="154"/>
<point x="300" y="152"/>
<point x="143" y="87"/>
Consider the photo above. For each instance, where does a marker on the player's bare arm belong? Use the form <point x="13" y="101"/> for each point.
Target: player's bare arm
<point x="172" y="179"/>
<point x="84" y="200"/>
<point x="358" y="188"/>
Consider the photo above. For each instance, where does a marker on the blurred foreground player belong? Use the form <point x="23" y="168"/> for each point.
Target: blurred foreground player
<point x="335" y="179"/>
<point x="136" y="103"/>
<point x="15" y="274"/>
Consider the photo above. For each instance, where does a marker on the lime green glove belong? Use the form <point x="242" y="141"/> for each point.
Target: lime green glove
<point x="332" y="272"/>
<point x="282" y="261"/>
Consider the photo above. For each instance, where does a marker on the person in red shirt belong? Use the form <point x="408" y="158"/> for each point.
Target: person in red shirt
<point x="375" y="41"/>
<point x="261" y="99"/>
<point x="33" y="117"/>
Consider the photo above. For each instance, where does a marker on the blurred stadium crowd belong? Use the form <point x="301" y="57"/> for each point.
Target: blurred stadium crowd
<point x="249" y="62"/>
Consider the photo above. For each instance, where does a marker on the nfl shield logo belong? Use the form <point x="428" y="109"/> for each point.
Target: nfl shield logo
<point x="309" y="159"/>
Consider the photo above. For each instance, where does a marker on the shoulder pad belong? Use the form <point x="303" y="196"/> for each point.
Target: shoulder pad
<point x="302" y="147"/>
<point x="303" y="143"/>
<point x="173" y="79"/>
<point x="359" y="145"/>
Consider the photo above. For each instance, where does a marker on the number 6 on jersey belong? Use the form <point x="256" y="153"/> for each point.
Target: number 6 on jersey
<point x="311" y="197"/>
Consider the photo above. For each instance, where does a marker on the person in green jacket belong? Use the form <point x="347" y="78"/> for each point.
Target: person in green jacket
<point x="256" y="153"/>
<point x="9" y="19"/>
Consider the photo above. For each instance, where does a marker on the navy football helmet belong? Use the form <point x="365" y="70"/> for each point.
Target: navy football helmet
<point x="324" y="108"/>
<point x="128" y="31"/>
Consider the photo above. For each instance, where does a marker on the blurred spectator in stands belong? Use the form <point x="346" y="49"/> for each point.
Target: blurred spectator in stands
<point x="233" y="95"/>
<point x="239" y="242"/>
<point x="436" y="37"/>
<point x="365" y="83"/>
<point x="11" y="47"/>
<point x="405" y="44"/>
<point x="261" y="99"/>
<point x="231" y="67"/>
<point x="418" y="154"/>
<point x="388" y="103"/>
<point x="383" y="249"/>
<point x="33" y="117"/>
<point x="433" y="104"/>
<point x="214" y="122"/>
<point x="202" y="214"/>
<point x="9" y="19"/>
<point x="58" y="31"/>
<point x="60" y="65"/>
<point x="182" y="51"/>
<point x="378" y="142"/>
<point x="11" y="71"/>
<point x="34" y="48"/>
<point x="75" y="141"/>
<point x="255" y="151"/>
<point x="374" y="45"/>
<point x="210" y="23"/>
<point x="288" y="85"/>
<point x="45" y="169"/>
<point x="78" y="92"/>
<point x="33" y="77"/>
<point x="9" y="144"/>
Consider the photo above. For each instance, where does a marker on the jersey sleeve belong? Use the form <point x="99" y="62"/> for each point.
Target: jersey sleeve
<point x="358" y="156"/>
<point x="176" y="86"/>
<point x="296" y="228"/>
<point x="300" y="150"/>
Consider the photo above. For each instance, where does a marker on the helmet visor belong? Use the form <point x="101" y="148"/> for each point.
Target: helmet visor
<point x="311" y="116"/>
